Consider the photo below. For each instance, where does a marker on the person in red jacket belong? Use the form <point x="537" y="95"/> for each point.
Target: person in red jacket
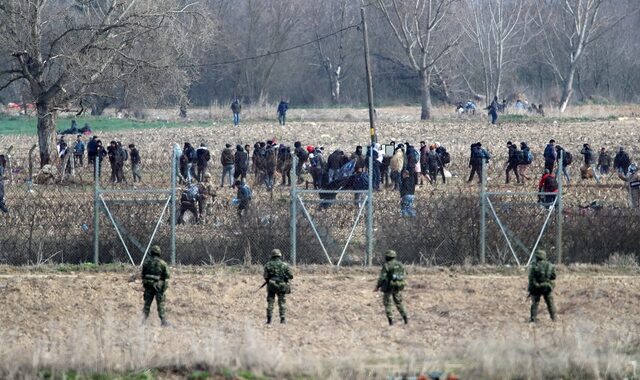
<point x="547" y="184"/>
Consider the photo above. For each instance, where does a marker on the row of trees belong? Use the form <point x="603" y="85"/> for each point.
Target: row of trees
<point x="90" y="54"/>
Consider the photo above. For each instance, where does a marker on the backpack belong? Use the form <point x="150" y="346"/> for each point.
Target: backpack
<point x="568" y="158"/>
<point x="528" y="157"/>
<point x="246" y="192"/>
<point x="396" y="277"/>
<point x="303" y="155"/>
<point x="192" y="192"/>
<point x="550" y="184"/>
<point x="445" y="157"/>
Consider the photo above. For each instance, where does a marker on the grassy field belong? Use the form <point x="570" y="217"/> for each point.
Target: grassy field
<point x="468" y="321"/>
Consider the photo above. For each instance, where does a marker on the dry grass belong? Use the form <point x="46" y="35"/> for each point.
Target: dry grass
<point x="471" y="324"/>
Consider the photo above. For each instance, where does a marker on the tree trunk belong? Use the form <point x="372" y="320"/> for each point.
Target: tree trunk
<point x="567" y="89"/>
<point x="425" y="102"/>
<point x="46" y="133"/>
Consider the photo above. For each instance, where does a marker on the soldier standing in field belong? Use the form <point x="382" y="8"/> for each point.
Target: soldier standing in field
<point x="391" y="282"/>
<point x="276" y="276"/>
<point x="541" y="283"/>
<point x="155" y="279"/>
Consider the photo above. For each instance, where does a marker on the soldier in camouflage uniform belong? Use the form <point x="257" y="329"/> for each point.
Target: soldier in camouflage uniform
<point x="155" y="279"/>
<point x="391" y="282"/>
<point x="276" y="276"/>
<point x="541" y="276"/>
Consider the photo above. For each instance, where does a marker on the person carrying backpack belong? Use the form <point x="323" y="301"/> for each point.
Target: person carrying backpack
<point x="303" y="156"/>
<point x="542" y="275"/>
<point x="277" y="275"/>
<point x="621" y="161"/>
<point x="547" y="184"/>
<point x="391" y="282"/>
<point x="589" y="162"/>
<point x="527" y="159"/>
<point x="567" y="159"/>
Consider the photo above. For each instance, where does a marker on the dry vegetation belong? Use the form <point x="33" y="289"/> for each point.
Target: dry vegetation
<point x="468" y="321"/>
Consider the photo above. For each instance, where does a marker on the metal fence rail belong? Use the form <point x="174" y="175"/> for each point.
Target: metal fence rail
<point x="55" y="223"/>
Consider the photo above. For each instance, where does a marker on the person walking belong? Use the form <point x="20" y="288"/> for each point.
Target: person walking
<point x="542" y="275"/>
<point x="512" y="162"/>
<point x="589" y="162"/>
<point x="202" y="161"/>
<point x="277" y="275"/>
<point x="243" y="196"/>
<point x="493" y="110"/>
<point x="621" y="161"/>
<point x="633" y="182"/>
<point x="604" y="161"/>
<point x="391" y="282"/>
<point x="567" y="159"/>
<point x="155" y="279"/>
<point x="78" y="151"/>
<point x="240" y="163"/>
<point x="527" y="159"/>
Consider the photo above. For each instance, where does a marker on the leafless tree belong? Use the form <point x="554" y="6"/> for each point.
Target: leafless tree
<point x="570" y="27"/>
<point x="70" y="50"/>
<point x="498" y="30"/>
<point x="418" y="26"/>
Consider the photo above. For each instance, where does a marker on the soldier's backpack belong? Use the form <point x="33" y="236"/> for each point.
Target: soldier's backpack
<point x="396" y="276"/>
<point x="302" y="154"/>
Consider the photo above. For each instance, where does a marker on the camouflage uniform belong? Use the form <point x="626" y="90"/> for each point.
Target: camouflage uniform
<point x="277" y="275"/>
<point x="541" y="276"/>
<point x="155" y="279"/>
<point x="391" y="282"/>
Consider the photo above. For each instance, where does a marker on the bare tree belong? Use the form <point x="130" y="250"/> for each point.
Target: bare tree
<point x="569" y="28"/>
<point x="498" y="29"/>
<point x="69" y="50"/>
<point x="334" y="53"/>
<point x="418" y="26"/>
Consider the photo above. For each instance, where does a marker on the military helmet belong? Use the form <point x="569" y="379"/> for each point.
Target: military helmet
<point x="207" y="175"/>
<point x="541" y="254"/>
<point x="276" y="253"/>
<point x="155" y="250"/>
<point x="390" y="254"/>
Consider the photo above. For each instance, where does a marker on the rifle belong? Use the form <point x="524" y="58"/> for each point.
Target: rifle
<point x="263" y="285"/>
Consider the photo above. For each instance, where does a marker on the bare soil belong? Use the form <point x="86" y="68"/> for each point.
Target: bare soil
<point x="458" y="320"/>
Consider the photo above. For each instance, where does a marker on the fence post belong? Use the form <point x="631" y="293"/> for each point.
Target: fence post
<point x="174" y="176"/>
<point x="96" y="211"/>
<point x="483" y="213"/>
<point x="559" y="209"/>
<point x="293" y="227"/>
<point x="369" y="254"/>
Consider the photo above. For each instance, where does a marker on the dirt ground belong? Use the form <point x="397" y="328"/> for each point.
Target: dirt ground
<point x="459" y="319"/>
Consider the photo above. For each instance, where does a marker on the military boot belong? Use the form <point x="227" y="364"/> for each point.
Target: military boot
<point x="164" y="323"/>
<point x="390" y="321"/>
<point x="283" y="320"/>
<point x="268" y="319"/>
<point x="406" y="319"/>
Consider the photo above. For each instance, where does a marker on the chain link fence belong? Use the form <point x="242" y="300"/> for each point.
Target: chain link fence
<point x="53" y="222"/>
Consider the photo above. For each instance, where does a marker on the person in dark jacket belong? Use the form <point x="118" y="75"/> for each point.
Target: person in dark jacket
<point x="527" y="159"/>
<point x="512" y="162"/>
<point x="407" y="191"/>
<point x="493" y="110"/>
<point x="236" y="107"/>
<point x="240" y="164"/>
<point x="227" y="160"/>
<point x="434" y="165"/>
<point x="478" y="155"/>
<point x="78" y="151"/>
<point x="550" y="155"/>
<point x="3" y="206"/>
<point x="621" y="161"/>
<point x="111" y="153"/>
<point x="202" y="161"/>
<point x="92" y="147"/>
<point x="135" y="162"/>
<point x="282" y="112"/>
<point x="604" y="161"/>
<point x="590" y="161"/>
